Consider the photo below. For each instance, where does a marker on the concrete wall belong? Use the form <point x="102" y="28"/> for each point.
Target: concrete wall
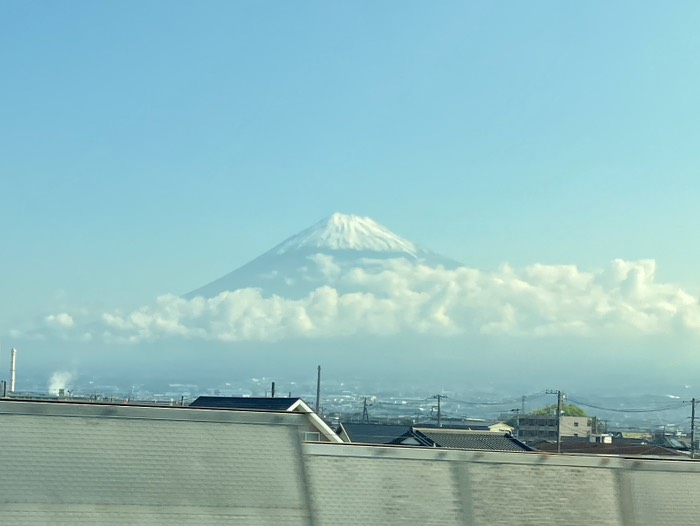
<point x="91" y="464"/>
<point x="70" y="464"/>
<point x="380" y="485"/>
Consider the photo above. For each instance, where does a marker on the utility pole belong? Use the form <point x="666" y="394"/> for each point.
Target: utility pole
<point x="517" y="422"/>
<point x="558" y="421"/>
<point x="692" y="428"/>
<point x="439" y="410"/>
<point x="365" y="415"/>
<point x="559" y="410"/>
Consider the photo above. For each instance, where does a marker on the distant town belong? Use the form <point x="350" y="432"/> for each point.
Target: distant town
<point x="663" y="420"/>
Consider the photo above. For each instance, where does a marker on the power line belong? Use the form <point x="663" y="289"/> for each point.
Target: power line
<point x="533" y="396"/>
<point x="398" y="403"/>
<point x="617" y="410"/>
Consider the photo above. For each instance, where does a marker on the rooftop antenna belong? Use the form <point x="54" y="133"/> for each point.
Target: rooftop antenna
<point x="13" y="363"/>
<point x="318" y="391"/>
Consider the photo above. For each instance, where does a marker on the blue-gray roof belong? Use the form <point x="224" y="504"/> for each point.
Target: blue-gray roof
<point x="242" y="402"/>
<point x="373" y="433"/>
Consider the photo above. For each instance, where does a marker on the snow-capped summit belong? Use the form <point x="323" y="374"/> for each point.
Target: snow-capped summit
<point x="347" y="232"/>
<point x="319" y="256"/>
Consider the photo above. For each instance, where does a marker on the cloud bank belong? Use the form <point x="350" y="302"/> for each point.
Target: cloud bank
<point x="398" y="297"/>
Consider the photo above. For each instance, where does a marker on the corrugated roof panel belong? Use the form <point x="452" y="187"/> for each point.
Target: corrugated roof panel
<point x="663" y="498"/>
<point x="72" y="464"/>
<point x="541" y="494"/>
<point x="71" y="468"/>
<point x="353" y="490"/>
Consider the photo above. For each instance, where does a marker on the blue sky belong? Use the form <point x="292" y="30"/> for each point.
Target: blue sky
<point x="150" y="147"/>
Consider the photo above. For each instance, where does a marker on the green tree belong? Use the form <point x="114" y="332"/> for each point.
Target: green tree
<point x="567" y="410"/>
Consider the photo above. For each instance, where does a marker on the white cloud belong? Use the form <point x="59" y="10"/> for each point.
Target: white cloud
<point x="59" y="320"/>
<point x="400" y="298"/>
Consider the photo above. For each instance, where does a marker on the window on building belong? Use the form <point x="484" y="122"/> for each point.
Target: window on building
<point x="575" y="424"/>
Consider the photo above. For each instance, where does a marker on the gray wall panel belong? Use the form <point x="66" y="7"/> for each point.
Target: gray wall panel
<point x="68" y="467"/>
<point x="532" y="495"/>
<point x="659" y="497"/>
<point x="368" y="491"/>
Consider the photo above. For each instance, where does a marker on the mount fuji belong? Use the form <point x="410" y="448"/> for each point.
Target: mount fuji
<point x="351" y="294"/>
<point x="319" y="256"/>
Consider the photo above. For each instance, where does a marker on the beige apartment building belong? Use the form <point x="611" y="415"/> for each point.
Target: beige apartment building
<point x="544" y="427"/>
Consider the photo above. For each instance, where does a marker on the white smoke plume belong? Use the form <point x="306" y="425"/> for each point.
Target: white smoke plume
<point x="60" y="380"/>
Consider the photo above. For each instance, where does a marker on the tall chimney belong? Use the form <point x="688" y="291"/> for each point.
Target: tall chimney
<point x="13" y="363"/>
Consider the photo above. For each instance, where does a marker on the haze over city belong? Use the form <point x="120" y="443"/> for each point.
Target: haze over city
<point x="499" y="194"/>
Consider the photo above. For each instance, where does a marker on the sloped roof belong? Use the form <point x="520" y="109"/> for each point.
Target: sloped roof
<point x="468" y="439"/>
<point x="373" y="433"/>
<point x="432" y="437"/>
<point x="673" y="443"/>
<point x="287" y="405"/>
<point x="468" y="423"/>
<point x="241" y="402"/>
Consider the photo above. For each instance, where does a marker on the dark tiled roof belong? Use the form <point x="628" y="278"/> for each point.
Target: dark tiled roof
<point x="464" y="423"/>
<point x="236" y="402"/>
<point x="467" y="439"/>
<point x="673" y="443"/>
<point x="373" y="433"/>
<point x="593" y="448"/>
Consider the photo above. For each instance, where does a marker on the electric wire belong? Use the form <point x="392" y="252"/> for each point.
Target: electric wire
<point x="629" y="410"/>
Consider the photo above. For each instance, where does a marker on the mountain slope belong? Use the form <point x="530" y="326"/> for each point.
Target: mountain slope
<point x="319" y="254"/>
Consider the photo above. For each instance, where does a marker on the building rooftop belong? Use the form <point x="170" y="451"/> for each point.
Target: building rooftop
<point x="242" y="402"/>
<point x="469" y="439"/>
<point x="453" y="438"/>
<point x="363" y="433"/>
